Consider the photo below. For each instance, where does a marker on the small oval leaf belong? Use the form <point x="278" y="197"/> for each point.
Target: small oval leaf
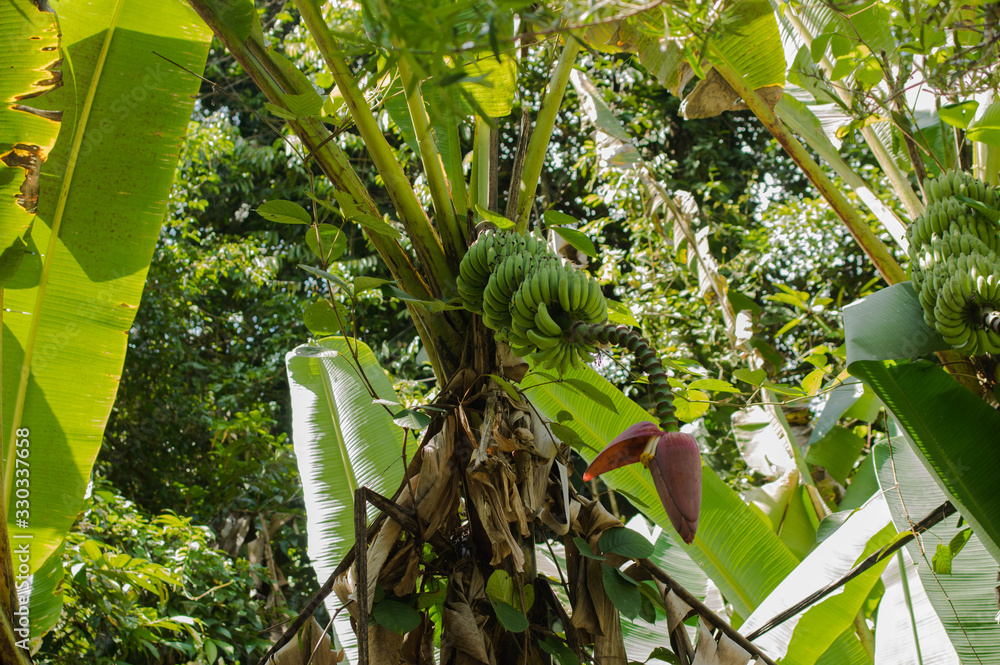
<point x="510" y="618"/>
<point x="284" y="212"/>
<point x="625" y="542"/>
<point x="578" y="239"/>
<point x="396" y="616"/>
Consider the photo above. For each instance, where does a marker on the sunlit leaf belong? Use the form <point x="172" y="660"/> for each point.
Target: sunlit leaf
<point x="284" y="212"/>
<point x="577" y="239"/>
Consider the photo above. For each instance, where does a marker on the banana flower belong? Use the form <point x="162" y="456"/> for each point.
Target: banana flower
<point x="674" y="462"/>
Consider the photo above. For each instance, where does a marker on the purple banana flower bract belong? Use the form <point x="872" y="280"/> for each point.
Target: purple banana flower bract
<point x="674" y="462"/>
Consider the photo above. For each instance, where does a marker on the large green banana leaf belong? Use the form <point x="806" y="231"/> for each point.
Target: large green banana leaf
<point x="124" y="111"/>
<point x="964" y="600"/>
<point x="889" y="324"/>
<point x="954" y="432"/>
<point x="343" y="440"/>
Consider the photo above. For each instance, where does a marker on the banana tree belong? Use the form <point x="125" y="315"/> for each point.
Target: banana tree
<point x="471" y="514"/>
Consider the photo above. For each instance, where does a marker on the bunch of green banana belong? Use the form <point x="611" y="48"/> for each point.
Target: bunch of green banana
<point x="960" y="183"/>
<point x="530" y="297"/>
<point x="480" y="262"/>
<point x="954" y="262"/>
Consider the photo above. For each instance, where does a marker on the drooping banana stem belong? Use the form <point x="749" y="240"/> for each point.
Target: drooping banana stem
<point x="608" y="333"/>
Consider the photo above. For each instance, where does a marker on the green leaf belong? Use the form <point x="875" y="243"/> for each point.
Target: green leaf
<point x="322" y="319"/>
<point x="393" y="292"/>
<point x="410" y="419"/>
<point x="621" y="314"/>
<point x="959" y="114"/>
<point x="785" y="505"/>
<point x="510" y="617"/>
<point x="239" y="16"/>
<point x="664" y="654"/>
<point x="211" y="651"/>
<point x="323" y="274"/>
<point x="93" y="549"/>
<point x="942" y="560"/>
<point x="813" y="381"/>
<point x="396" y="616"/>
<point x="948" y="425"/>
<point x="569" y="436"/>
<point x="647" y="610"/>
<point x="741" y="302"/>
<point x="495" y="219"/>
<point x="563" y="653"/>
<point x="500" y="587"/>
<point x="333" y="239"/>
<point x="31" y="38"/>
<point x="585" y="550"/>
<point x="863" y="485"/>
<point x="506" y="387"/>
<point x="399" y="113"/>
<point x="836" y="452"/>
<point x="363" y="283"/>
<point x="623" y="592"/>
<point x="577" y="239"/>
<point x="593" y="393"/>
<point x="556" y="218"/>
<point x="284" y="212"/>
<point x="334" y="423"/>
<point x="889" y="324"/>
<point x="958" y="542"/>
<point x="121" y="113"/>
<point x="839" y="400"/>
<point x="625" y="542"/>
<point x="691" y="406"/>
<point x="803" y="640"/>
<point x="986" y="129"/>
<point x="755" y="377"/>
<point x="491" y="82"/>
<point x="303" y="105"/>
<point x="714" y="385"/>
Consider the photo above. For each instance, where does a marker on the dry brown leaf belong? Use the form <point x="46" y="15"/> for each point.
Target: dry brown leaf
<point x="383" y="645"/>
<point x="463" y="639"/>
<point x="309" y="638"/>
<point x="713" y="95"/>
<point x="731" y="653"/>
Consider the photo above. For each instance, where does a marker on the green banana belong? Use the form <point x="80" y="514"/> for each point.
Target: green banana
<point x="546" y="324"/>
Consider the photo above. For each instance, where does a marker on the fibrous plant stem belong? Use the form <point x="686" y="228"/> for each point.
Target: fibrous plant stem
<point x="540" y="136"/>
<point x="411" y="213"/>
